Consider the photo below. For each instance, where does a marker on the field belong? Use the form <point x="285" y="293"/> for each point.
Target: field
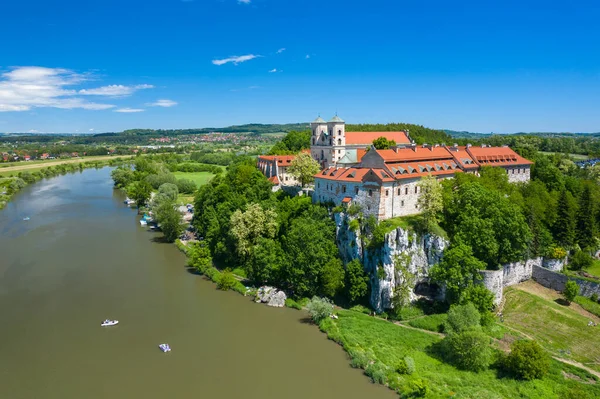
<point x="378" y="346"/>
<point x="539" y="313"/>
<point x="14" y="168"/>
<point x="200" y="178"/>
<point x="577" y="157"/>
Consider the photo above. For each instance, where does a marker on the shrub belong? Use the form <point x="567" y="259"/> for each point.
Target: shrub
<point x="360" y="360"/>
<point x="186" y="186"/>
<point x="418" y="388"/>
<point x="377" y="372"/>
<point x="468" y="350"/>
<point x="462" y="318"/>
<point x="580" y="260"/>
<point x="354" y="225"/>
<point x="557" y="253"/>
<point x="227" y="281"/>
<point x="527" y="360"/>
<point x="290" y="303"/>
<point x="361" y="309"/>
<point x="319" y="308"/>
<point x="571" y="290"/>
<point x="406" y="366"/>
<point x="594" y="297"/>
<point x="354" y="209"/>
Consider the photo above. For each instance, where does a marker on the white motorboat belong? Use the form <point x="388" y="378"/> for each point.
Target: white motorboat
<point x="26" y="218"/>
<point x="143" y="222"/>
<point x="129" y="201"/>
<point x="165" y="347"/>
<point x="107" y="323"/>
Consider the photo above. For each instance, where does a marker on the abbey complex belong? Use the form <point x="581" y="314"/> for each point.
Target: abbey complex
<point x="385" y="182"/>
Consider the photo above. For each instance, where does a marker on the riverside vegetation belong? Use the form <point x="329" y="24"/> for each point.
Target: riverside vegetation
<point x="271" y="238"/>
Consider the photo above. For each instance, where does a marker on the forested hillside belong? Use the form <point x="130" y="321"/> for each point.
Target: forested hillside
<point x="418" y="133"/>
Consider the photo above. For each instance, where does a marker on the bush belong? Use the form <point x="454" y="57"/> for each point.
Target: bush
<point x="361" y="309"/>
<point x="406" y="366"/>
<point x="557" y="253"/>
<point x="354" y="225"/>
<point x="468" y="350"/>
<point x="360" y="360"/>
<point x="580" y="260"/>
<point x="571" y="290"/>
<point x="186" y="186"/>
<point x="290" y="303"/>
<point x="462" y="318"/>
<point x="319" y="308"/>
<point x="418" y="388"/>
<point x="169" y="190"/>
<point x="594" y="297"/>
<point x="527" y="360"/>
<point x="227" y="281"/>
<point x="377" y="372"/>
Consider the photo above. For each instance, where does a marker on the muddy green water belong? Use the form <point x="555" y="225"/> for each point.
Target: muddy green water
<point x="83" y="257"/>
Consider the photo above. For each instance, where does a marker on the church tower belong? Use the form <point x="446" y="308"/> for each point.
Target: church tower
<point x="336" y="128"/>
<point x="319" y="140"/>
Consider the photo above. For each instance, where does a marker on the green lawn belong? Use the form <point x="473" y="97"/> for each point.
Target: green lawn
<point x="588" y="304"/>
<point x="577" y="157"/>
<point x="559" y="329"/>
<point x="378" y="346"/>
<point x="200" y="178"/>
<point x="595" y="269"/>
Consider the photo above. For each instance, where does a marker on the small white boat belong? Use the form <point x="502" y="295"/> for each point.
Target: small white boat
<point x="143" y="222"/>
<point x="107" y="323"/>
<point x="26" y="218"/>
<point x="129" y="201"/>
<point x="165" y="347"/>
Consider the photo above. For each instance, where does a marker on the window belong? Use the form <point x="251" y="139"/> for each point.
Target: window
<point x="339" y="141"/>
<point x="398" y="191"/>
<point x="343" y="189"/>
<point x="313" y="140"/>
<point x="286" y="178"/>
<point x="319" y="184"/>
<point x="387" y="193"/>
<point x="322" y="138"/>
<point x="340" y="132"/>
<point x="405" y="190"/>
<point x="402" y="203"/>
<point x="416" y="206"/>
<point x="314" y="131"/>
<point x="355" y="190"/>
<point x="368" y="207"/>
<point x="330" y="132"/>
<point x="339" y="151"/>
<point x="513" y="171"/>
<point x="370" y="193"/>
<point x="416" y="189"/>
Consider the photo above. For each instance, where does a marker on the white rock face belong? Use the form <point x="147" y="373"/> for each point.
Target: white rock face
<point x="420" y="254"/>
<point x="271" y="296"/>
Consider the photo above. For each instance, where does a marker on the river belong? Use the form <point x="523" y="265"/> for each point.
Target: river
<point x="83" y="257"/>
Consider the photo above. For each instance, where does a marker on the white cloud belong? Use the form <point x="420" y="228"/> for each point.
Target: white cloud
<point x="281" y="50"/>
<point x="235" y="59"/>
<point x="162" y="103"/>
<point x="25" y="88"/>
<point x="244" y="1"/>
<point x="114" y="90"/>
<point x="129" y="110"/>
<point x="273" y="70"/>
<point x="92" y="129"/>
<point x="307" y="56"/>
<point x="254" y="87"/>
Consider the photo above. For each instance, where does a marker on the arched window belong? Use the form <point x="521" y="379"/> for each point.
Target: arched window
<point x="370" y="193"/>
<point x="313" y="140"/>
<point x="339" y="141"/>
<point x="340" y="132"/>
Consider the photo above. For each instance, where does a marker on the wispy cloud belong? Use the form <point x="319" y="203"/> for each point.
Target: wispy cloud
<point x="129" y="110"/>
<point x="24" y="88"/>
<point x="114" y="90"/>
<point x="273" y="70"/>
<point x="307" y="56"/>
<point x="235" y="59"/>
<point x="244" y="1"/>
<point x="281" y="50"/>
<point x="162" y="103"/>
<point x="254" y="87"/>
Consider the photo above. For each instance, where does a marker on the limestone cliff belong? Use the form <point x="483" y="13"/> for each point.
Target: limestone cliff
<point x="417" y="253"/>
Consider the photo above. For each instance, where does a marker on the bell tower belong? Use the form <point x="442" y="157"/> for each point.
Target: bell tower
<point x="336" y="127"/>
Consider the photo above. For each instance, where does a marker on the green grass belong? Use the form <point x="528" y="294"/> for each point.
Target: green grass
<point x="375" y="344"/>
<point x="574" y="274"/>
<point x="559" y="329"/>
<point x="434" y="322"/>
<point x="200" y="178"/>
<point x="411" y="223"/>
<point x="577" y="157"/>
<point x="594" y="269"/>
<point x="588" y="304"/>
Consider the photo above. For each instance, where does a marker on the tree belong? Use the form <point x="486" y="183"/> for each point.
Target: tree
<point x="356" y="281"/>
<point x="247" y="227"/>
<point x="480" y="297"/>
<point x="140" y="192"/>
<point x="527" y="360"/>
<point x="199" y="257"/>
<point x="580" y="260"/>
<point x="332" y="277"/>
<point x="292" y="143"/>
<point x="430" y="201"/>
<point x="565" y="225"/>
<point x="571" y="291"/>
<point x="586" y="222"/>
<point x="226" y="281"/>
<point x="319" y="308"/>
<point x="169" y="220"/>
<point x="186" y="186"/>
<point x="265" y="264"/>
<point x="462" y="318"/>
<point x="458" y="270"/>
<point x="468" y="350"/>
<point x="122" y="176"/>
<point x="304" y="168"/>
<point x="382" y="143"/>
<point x="169" y="190"/>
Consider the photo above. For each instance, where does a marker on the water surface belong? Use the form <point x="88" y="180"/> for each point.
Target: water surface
<point x="83" y="257"/>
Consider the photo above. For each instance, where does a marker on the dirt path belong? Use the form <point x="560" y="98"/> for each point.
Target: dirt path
<point x="578" y="365"/>
<point x="398" y="323"/>
<point x="546" y="293"/>
<point x="24" y="165"/>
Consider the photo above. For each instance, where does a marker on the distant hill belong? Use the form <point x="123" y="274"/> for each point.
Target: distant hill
<point x="255" y="128"/>
<point x="474" y="135"/>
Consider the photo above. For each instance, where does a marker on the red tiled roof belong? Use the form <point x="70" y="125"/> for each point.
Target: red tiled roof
<point x="419" y="169"/>
<point x="462" y="157"/>
<point x="366" y="138"/>
<point x="414" y="154"/>
<point x="497" y="156"/>
<point x="274" y="180"/>
<point x="282" y="160"/>
<point x="346" y="200"/>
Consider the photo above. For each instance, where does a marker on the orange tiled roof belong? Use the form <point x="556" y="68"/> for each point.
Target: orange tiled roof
<point x="282" y="160"/>
<point x="274" y="180"/>
<point x="414" y="154"/>
<point x="366" y="138"/>
<point x="497" y="156"/>
<point x="462" y="157"/>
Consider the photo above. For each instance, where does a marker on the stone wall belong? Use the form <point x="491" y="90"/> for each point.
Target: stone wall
<point x="510" y="274"/>
<point x="556" y="265"/>
<point x="557" y="281"/>
<point x="519" y="174"/>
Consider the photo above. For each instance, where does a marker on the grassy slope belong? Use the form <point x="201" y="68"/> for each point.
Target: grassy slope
<point x="200" y="178"/>
<point x="577" y="157"/>
<point x="595" y="269"/>
<point x="557" y="328"/>
<point x="387" y="343"/>
<point x="588" y="304"/>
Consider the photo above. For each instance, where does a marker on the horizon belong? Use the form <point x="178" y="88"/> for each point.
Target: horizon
<point x="471" y="67"/>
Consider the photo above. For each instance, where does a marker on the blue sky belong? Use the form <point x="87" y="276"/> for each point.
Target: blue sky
<point x="486" y="66"/>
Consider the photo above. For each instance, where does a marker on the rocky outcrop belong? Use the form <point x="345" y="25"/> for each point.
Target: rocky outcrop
<point x="271" y="296"/>
<point x="555" y="265"/>
<point x="401" y="249"/>
<point x="509" y="274"/>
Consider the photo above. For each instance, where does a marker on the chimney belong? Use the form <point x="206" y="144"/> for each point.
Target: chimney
<point x="469" y="145"/>
<point x="455" y="145"/>
<point x="483" y="146"/>
<point x="436" y="146"/>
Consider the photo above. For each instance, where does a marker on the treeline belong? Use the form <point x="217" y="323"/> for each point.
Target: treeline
<point x="277" y="240"/>
<point x="213" y="157"/>
<point x="292" y="143"/>
<point x="420" y="134"/>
